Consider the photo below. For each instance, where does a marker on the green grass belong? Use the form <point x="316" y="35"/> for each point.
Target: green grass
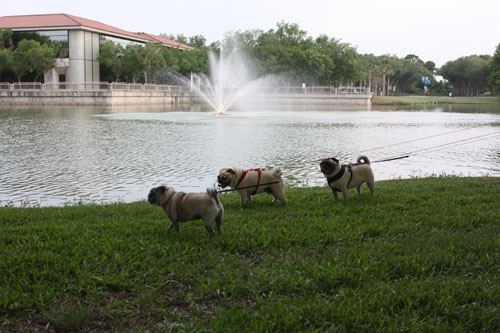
<point x="408" y="100"/>
<point x="421" y="255"/>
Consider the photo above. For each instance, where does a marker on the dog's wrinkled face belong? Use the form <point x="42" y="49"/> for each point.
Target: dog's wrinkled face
<point x="329" y="165"/>
<point x="225" y="176"/>
<point x="155" y="194"/>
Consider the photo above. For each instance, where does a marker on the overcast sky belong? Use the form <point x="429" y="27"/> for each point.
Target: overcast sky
<point x="435" y="30"/>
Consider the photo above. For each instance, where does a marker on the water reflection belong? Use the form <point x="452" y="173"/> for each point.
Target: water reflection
<point x="58" y="155"/>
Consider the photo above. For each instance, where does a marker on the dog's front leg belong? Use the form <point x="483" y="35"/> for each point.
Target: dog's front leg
<point x="334" y="191"/>
<point x="209" y="227"/>
<point x="175" y="226"/>
<point x="243" y="198"/>
<point x="344" y="194"/>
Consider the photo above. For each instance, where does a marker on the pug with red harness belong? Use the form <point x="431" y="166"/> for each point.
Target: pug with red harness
<point x="253" y="181"/>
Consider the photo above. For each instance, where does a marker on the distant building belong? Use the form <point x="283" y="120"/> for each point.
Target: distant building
<point x="79" y="39"/>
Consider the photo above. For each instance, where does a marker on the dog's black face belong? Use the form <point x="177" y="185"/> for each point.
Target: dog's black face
<point x="224" y="178"/>
<point x="328" y="165"/>
<point x="223" y="181"/>
<point x="155" y="193"/>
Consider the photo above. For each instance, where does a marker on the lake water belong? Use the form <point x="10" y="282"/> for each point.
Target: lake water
<point x="61" y="155"/>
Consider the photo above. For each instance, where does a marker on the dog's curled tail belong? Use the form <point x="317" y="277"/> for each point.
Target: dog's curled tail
<point x="213" y="193"/>
<point x="363" y="160"/>
<point x="277" y="171"/>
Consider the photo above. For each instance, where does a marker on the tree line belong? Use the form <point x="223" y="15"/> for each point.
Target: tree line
<point x="286" y="52"/>
<point x="25" y="59"/>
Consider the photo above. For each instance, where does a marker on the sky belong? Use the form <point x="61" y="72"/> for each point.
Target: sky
<point x="434" y="30"/>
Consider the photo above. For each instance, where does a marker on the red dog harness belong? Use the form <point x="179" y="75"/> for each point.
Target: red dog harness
<point x="244" y="174"/>
<point x="179" y="205"/>
<point x="166" y="202"/>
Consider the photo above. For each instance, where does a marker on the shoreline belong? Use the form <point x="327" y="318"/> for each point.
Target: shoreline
<point x="415" y="100"/>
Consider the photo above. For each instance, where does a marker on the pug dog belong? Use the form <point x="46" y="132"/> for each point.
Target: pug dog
<point x="343" y="177"/>
<point x="237" y="178"/>
<point x="182" y="207"/>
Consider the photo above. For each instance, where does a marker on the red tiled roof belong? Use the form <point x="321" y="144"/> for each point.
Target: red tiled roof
<point x="65" y="20"/>
<point x="165" y="41"/>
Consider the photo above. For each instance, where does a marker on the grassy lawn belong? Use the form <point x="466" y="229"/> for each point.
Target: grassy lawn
<point x="421" y="255"/>
<point x="406" y="100"/>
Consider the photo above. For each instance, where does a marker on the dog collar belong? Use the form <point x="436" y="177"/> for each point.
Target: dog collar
<point x="337" y="176"/>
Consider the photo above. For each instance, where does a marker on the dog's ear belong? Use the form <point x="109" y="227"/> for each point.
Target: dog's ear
<point x="335" y="160"/>
<point x="162" y="189"/>
<point x="231" y="171"/>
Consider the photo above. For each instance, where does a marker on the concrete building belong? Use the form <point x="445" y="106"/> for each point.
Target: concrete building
<point x="82" y="38"/>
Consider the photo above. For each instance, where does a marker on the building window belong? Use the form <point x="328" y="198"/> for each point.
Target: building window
<point x="123" y="42"/>
<point x="55" y="38"/>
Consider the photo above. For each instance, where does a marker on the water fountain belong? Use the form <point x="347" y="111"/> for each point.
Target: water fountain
<point x="229" y="80"/>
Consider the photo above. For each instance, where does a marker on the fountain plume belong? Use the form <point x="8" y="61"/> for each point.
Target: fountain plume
<point x="229" y="80"/>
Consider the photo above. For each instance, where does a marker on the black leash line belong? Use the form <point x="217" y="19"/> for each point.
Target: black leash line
<point x="378" y="161"/>
<point x="420" y="139"/>
<point x="451" y="144"/>
<point x="439" y="147"/>
<point x="384" y="160"/>
<point x="245" y="187"/>
<point x="433" y="148"/>
<point x="391" y="159"/>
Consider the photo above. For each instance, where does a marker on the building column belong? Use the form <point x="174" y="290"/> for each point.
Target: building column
<point x="76" y="71"/>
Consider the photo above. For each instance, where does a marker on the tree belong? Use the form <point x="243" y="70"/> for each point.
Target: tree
<point x="31" y="57"/>
<point x="281" y="51"/>
<point x="290" y="54"/>
<point x="44" y="59"/>
<point x="5" y="61"/>
<point x="413" y="58"/>
<point x="132" y="64"/>
<point x="110" y="56"/>
<point x="198" y="42"/>
<point x="468" y="75"/>
<point x="407" y="73"/>
<point x="194" y="61"/>
<point x="151" y="59"/>
<point x="346" y="63"/>
<point x="171" y="56"/>
<point x="6" y="39"/>
<point x="430" y="66"/>
<point x="494" y="77"/>
<point x="286" y="52"/>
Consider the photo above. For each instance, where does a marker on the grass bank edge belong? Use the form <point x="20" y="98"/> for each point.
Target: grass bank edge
<point x="413" y="100"/>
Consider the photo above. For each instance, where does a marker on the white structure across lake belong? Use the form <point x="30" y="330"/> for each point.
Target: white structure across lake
<point x="79" y="39"/>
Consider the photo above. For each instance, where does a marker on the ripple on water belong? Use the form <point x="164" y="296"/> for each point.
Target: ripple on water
<point x="88" y="154"/>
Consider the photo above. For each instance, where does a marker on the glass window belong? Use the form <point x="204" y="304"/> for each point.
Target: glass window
<point x="55" y="38"/>
<point x="122" y="42"/>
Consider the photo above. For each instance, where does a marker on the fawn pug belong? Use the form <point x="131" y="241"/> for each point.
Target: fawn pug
<point x="254" y="181"/>
<point x="342" y="177"/>
<point x="182" y="207"/>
